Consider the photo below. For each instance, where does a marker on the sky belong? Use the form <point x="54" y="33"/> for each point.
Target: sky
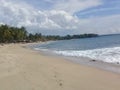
<point x="61" y="17"/>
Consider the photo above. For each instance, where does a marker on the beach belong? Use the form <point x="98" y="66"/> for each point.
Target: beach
<point x="25" y="69"/>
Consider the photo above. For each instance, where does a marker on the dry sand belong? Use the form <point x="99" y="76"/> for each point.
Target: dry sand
<point x="25" y="69"/>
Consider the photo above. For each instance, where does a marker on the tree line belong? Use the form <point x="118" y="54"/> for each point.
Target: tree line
<point x="9" y="34"/>
<point x="12" y="34"/>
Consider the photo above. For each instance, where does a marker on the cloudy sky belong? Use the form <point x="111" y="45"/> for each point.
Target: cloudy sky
<point x="62" y="16"/>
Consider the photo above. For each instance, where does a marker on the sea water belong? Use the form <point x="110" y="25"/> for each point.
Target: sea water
<point x="103" y="48"/>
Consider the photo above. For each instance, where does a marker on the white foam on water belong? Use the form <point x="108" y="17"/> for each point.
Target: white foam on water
<point x="110" y="55"/>
<point x="40" y="49"/>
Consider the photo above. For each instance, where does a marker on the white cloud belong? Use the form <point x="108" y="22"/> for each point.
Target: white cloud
<point x="99" y="10"/>
<point x="60" y="21"/>
<point x="25" y="15"/>
<point x="73" y="6"/>
<point x="63" y="19"/>
<point x="102" y="25"/>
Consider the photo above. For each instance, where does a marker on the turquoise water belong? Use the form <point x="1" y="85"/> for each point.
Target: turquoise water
<point x="103" y="48"/>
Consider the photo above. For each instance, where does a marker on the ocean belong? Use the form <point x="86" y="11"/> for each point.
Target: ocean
<point x="103" y="48"/>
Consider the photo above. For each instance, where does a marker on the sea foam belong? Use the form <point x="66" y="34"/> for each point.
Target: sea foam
<point x="110" y="55"/>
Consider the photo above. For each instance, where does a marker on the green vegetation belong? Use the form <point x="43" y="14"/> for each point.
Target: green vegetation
<point x="10" y="34"/>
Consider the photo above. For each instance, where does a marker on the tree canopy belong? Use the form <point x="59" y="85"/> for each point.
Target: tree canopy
<point x="12" y="34"/>
<point x="9" y="34"/>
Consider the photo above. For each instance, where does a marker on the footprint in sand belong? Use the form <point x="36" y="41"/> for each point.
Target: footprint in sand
<point x="59" y="81"/>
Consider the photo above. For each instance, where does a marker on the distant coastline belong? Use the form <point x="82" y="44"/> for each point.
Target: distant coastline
<point x="9" y="34"/>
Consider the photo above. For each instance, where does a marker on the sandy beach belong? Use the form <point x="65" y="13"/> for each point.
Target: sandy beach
<point x="25" y="69"/>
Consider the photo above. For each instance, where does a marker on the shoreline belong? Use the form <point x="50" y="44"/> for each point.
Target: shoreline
<point x="111" y="67"/>
<point x="25" y="69"/>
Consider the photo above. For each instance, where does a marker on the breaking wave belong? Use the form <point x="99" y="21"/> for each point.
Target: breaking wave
<point x="110" y="55"/>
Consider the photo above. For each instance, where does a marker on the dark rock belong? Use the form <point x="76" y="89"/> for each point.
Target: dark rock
<point x="118" y="63"/>
<point x="93" y="60"/>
